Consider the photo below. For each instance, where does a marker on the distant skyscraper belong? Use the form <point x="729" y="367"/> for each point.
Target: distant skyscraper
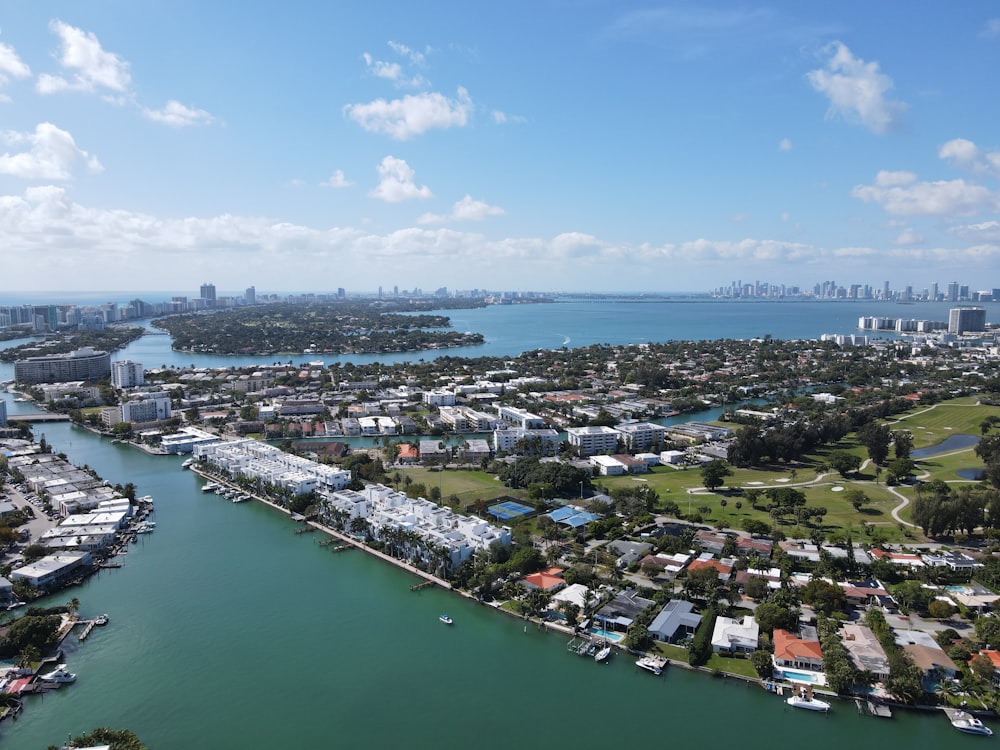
<point x="933" y="295"/>
<point x="953" y="291"/>
<point x="250" y="296"/>
<point x="885" y="290"/>
<point x="208" y="294"/>
<point x="340" y="292"/>
<point x="3" y="413"/>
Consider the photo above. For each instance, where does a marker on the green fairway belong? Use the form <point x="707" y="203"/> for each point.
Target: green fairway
<point x="931" y="425"/>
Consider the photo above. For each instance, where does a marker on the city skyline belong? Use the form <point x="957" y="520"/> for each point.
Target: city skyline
<point x="568" y="146"/>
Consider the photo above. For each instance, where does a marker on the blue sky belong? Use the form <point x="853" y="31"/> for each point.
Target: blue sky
<point x="555" y="145"/>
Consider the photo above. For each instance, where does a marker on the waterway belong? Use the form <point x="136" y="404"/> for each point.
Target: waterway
<point x="228" y="630"/>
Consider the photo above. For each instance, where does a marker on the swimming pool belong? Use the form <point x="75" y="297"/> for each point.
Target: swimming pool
<point x="608" y="636"/>
<point x="792" y="675"/>
<point x="960" y="589"/>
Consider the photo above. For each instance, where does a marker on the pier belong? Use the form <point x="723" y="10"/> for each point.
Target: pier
<point x="421" y="585"/>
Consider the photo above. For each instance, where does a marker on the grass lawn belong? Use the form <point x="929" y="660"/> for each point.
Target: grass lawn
<point x="722" y="663"/>
<point x="934" y="424"/>
<point x="469" y="486"/>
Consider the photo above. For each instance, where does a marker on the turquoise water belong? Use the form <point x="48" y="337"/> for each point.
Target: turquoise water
<point x="608" y="635"/>
<point x="794" y="676"/>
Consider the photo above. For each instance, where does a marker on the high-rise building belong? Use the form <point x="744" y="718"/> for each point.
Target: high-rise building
<point x="208" y="294"/>
<point x="933" y="294"/>
<point x="966" y="319"/>
<point x="250" y="296"/>
<point x="953" y="291"/>
<point x="82" y="364"/>
<point x="127" y="374"/>
<point x="3" y="413"/>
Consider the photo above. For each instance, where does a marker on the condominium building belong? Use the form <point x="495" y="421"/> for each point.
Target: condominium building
<point x="146" y="407"/>
<point x="127" y="374"/>
<point x="593" y="439"/>
<point x="966" y="319"/>
<point x="638" y="436"/>
<point x="521" y="418"/>
<point x="258" y="460"/>
<point x="82" y="364"/>
<point x="506" y="440"/>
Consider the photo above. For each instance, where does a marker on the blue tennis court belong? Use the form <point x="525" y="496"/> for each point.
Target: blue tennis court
<point x="509" y="509"/>
<point x="571" y="516"/>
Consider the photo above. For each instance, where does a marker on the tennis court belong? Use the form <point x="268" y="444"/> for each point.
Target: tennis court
<point x="508" y="510"/>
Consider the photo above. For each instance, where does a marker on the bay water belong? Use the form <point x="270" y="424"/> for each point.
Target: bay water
<point x="229" y="630"/>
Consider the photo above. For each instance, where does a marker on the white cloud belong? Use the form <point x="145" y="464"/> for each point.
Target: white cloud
<point x="415" y="57"/>
<point x="91" y="67"/>
<point x="412" y="115"/>
<point x="11" y="65"/>
<point x="51" y="154"/>
<point x="900" y="193"/>
<point x="857" y="90"/>
<point x="467" y="209"/>
<point x="176" y="115"/>
<point x="909" y="237"/>
<point x="992" y="29"/>
<point x="968" y="156"/>
<point x="337" y="180"/>
<point x="382" y="69"/>
<point x="502" y="118"/>
<point x="44" y="225"/>
<point x="987" y="231"/>
<point x="396" y="182"/>
<point x="784" y="145"/>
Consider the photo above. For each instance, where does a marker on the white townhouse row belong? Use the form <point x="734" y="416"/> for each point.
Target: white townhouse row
<point x="259" y="460"/>
<point x="384" y="508"/>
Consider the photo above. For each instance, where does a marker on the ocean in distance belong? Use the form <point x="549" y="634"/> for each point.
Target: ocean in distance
<point x="228" y="630"/>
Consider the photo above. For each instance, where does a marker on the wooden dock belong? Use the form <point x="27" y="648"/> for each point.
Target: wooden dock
<point x="88" y="629"/>
<point x="880" y="710"/>
<point x="421" y="585"/>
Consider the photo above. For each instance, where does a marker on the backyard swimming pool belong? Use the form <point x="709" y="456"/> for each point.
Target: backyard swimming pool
<point x="792" y="675"/>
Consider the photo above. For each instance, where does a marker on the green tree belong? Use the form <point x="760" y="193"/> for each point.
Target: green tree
<point x="762" y="663"/>
<point x="824" y="597"/>
<point x="856" y="498"/>
<point x="714" y="473"/>
<point x="940" y="609"/>
<point x="844" y="462"/>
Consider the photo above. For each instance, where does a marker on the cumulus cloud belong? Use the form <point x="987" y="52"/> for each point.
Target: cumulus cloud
<point x="89" y="66"/>
<point x="857" y="90"/>
<point x="44" y="224"/>
<point x="968" y="156"/>
<point x="176" y="115"/>
<point x="396" y="182"/>
<point x="901" y="194"/>
<point x="11" y="65"/>
<point x="909" y="237"/>
<point x="467" y="209"/>
<point x="337" y="180"/>
<point x="49" y="154"/>
<point x="412" y="115"/>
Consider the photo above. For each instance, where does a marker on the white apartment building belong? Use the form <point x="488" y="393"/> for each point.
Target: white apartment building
<point x="146" y="407"/>
<point x="504" y="440"/>
<point x="593" y="439"/>
<point x="638" y="436"/>
<point x="520" y="418"/>
<point x="439" y="397"/>
<point x="459" y="536"/>
<point x="127" y="374"/>
<point x="259" y="460"/>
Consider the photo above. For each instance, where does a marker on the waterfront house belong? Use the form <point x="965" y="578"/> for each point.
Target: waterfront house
<point x="934" y="664"/>
<point x="549" y="580"/>
<point x="675" y="622"/>
<point x="864" y="650"/>
<point x="735" y="636"/>
<point x="621" y="612"/>
<point x="796" y="653"/>
<point x="994" y="658"/>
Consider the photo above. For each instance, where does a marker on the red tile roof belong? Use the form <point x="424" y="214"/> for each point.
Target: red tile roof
<point x="790" y="647"/>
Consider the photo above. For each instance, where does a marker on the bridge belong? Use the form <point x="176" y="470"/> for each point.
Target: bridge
<point x="38" y="418"/>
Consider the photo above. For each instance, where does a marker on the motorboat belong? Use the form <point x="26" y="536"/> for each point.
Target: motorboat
<point x="59" y="674"/>
<point x="654" y="664"/>
<point x="101" y="620"/>
<point x="603" y="653"/>
<point x="808" y="703"/>
<point x="188" y="463"/>
<point x="446" y="619"/>
<point x="210" y="487"/>
<point x="966" y="722"/>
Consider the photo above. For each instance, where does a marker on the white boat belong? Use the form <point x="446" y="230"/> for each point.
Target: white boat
<point x="603" y="653"/>
<point x="654" y="664"/>
<point x="59" y="674"/>
<point x="101" y="620"/>
<point x="188" y="463"/>
<point x="966" y="722"/>
<point x="810" y="704"/>
<point x="446" y="619"/>
<point x="210" y="487"/>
